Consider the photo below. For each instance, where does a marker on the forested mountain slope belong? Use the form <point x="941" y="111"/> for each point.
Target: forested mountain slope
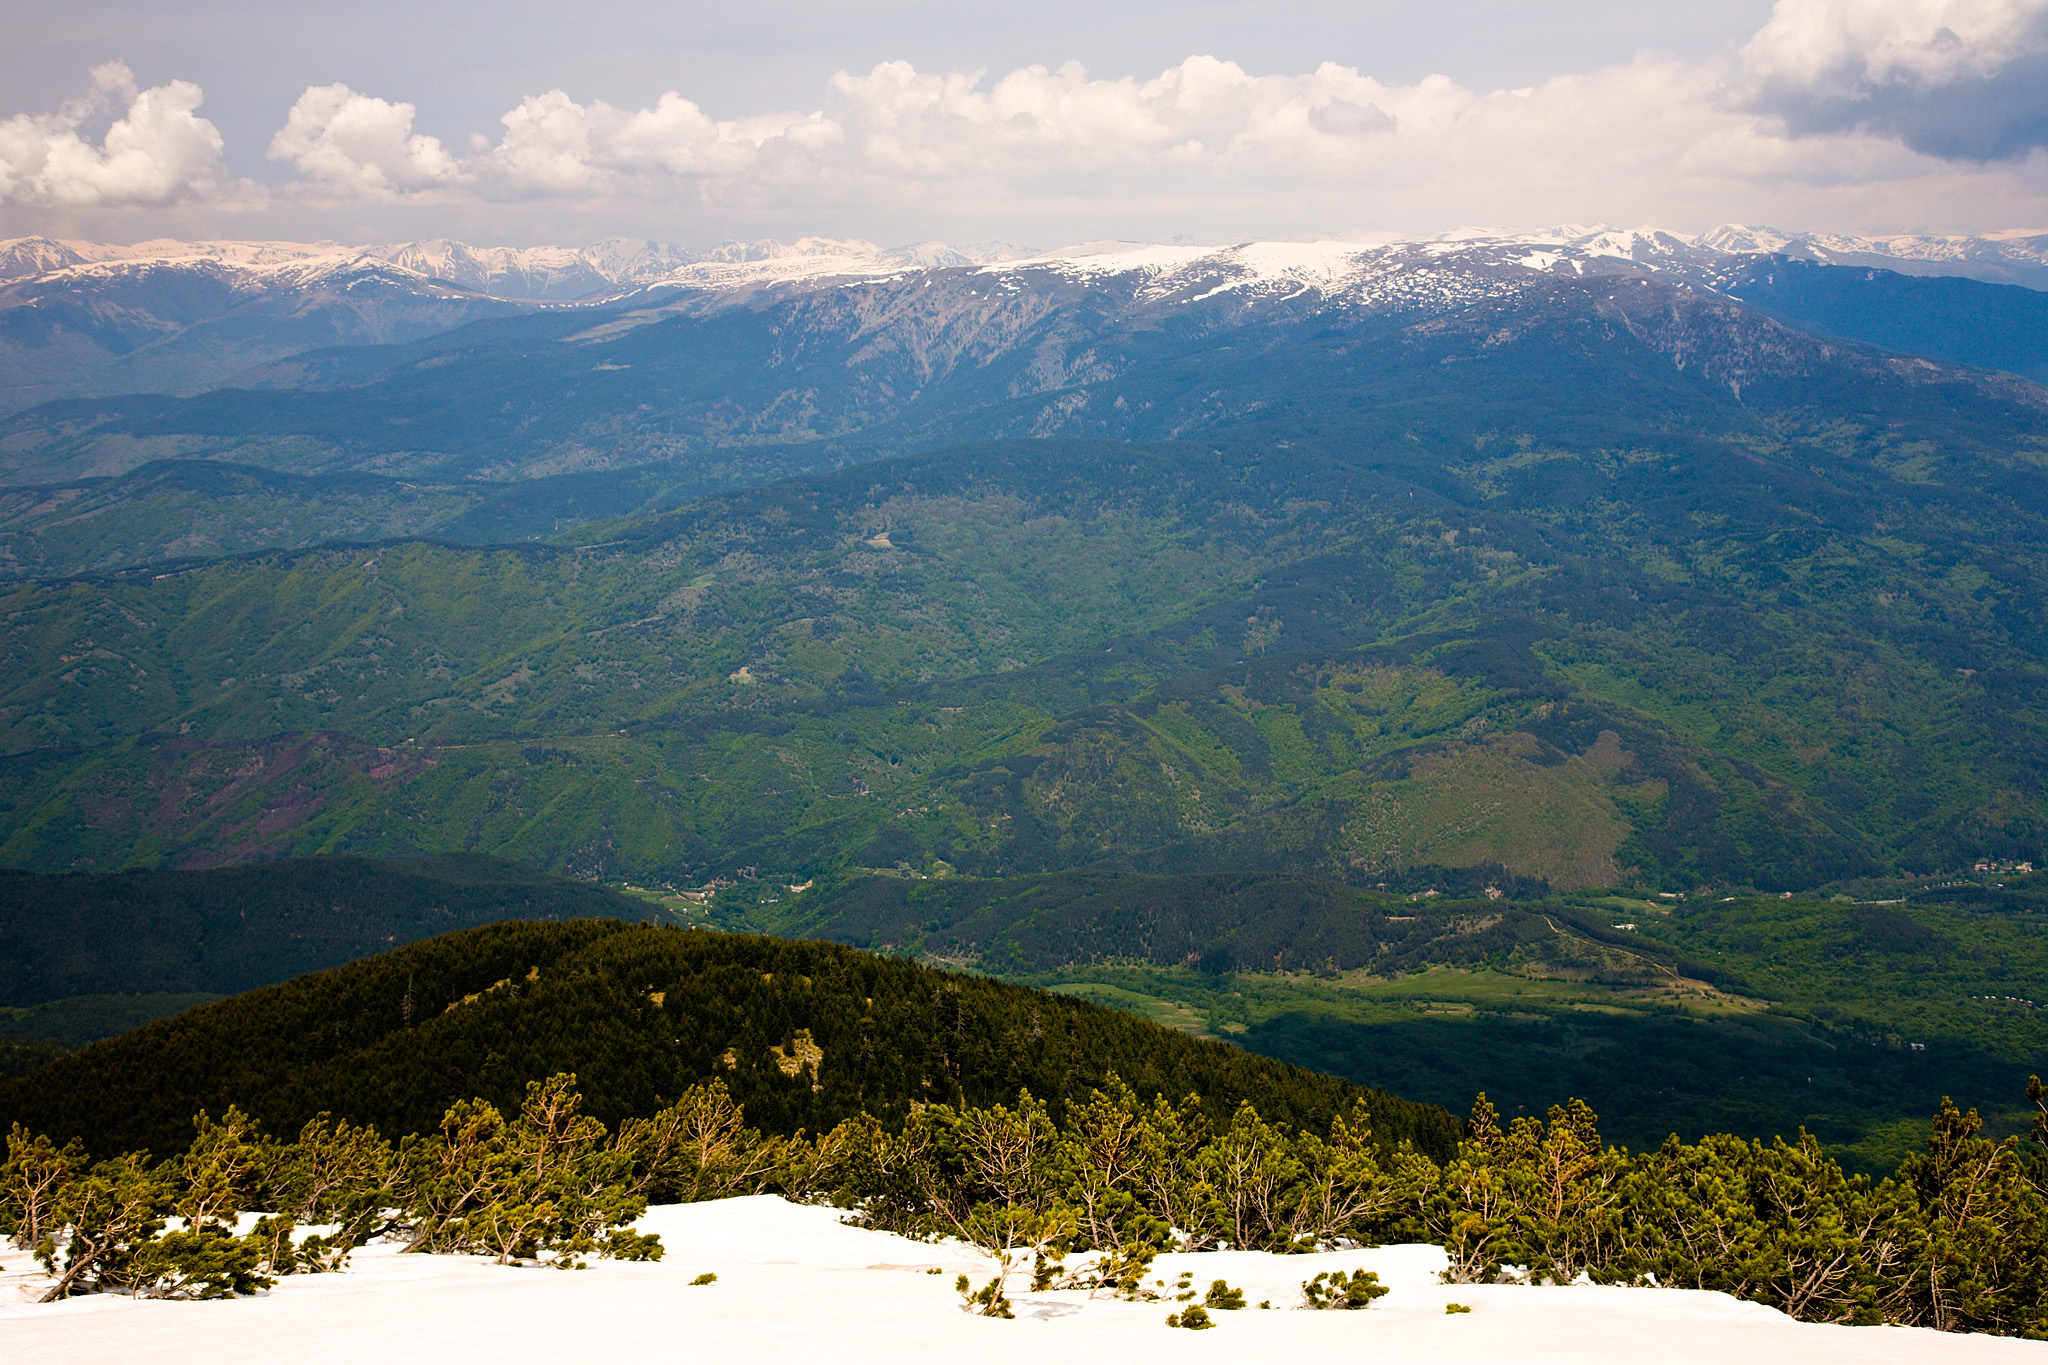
<point x="233" y="929"/>
<point x="167" y="511"/>
<point x="85" y="956"/>
<point x="1637" y="584"/>
<point x="803" y="1034"/>
<point x="886" y="358"/>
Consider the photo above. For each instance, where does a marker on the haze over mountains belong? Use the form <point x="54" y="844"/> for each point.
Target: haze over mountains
<point x="82" y="319"/>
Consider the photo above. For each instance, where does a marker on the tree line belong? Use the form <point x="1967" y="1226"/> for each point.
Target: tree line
<point x="804" y="1034"/>
<point x="1956" y="1239"/>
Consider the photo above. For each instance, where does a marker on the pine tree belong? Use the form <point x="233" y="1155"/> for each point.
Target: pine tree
<point x="32" y="1185"/>
<point x="205" y="1262"/>
<point x="221" y="1169"/>
<point x="1471" y="1212"/>
<point x="445" y="1177"/>
<point x="987" y="1301"/>
<point x="1335" y="1289"/>
<point x="337" y="1173"/>
<point x="1103" y="1149"/>
<point x="1979" y="1232"/>
<point x="1344" y="1191"/>
<point x="109" y="1213"/>
<point x="1252" y="1168"/>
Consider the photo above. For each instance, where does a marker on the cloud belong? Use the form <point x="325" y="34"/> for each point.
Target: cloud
<point x="1830" y="96"/>
<point x="1204" y="138"/>
<point x="1882" y="115"/>
<point x="875" y="132"/>
<point x="1951" y="78"/>
<point x="357" y="144"/>
<point x="348" y="144"/>
<point x="157" y="152"/>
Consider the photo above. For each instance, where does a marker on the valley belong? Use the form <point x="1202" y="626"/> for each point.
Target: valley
<point x="1743" y="1014"/>
<point x="1320" y="649"/>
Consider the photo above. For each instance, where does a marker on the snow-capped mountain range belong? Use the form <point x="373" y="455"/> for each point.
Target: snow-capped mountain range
<point x="607" y="269"/>
<point x="528" y="274"/>
<point x="90" y="320"/>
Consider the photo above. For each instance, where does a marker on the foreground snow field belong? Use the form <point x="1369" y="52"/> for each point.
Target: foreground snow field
<point x="796" y="1284"/>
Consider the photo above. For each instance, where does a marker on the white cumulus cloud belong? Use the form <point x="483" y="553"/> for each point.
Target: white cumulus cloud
<point x="355" y="145"/>
<point x="359" y="144"/>
<point x="1952" y="78"/>
<point x="156" y="152"/>
<point x="1262" y="154"/>
<point x="874" y="133"/>
<point x="1870" y="115"/>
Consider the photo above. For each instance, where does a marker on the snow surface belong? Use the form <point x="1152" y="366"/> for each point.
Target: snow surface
<point x="795" y="1284"/>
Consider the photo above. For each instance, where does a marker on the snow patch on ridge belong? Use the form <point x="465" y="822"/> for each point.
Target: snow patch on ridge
<point x="1463" y="265"/>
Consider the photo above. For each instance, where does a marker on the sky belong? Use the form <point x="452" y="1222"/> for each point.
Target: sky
<point x="522" y="123"/>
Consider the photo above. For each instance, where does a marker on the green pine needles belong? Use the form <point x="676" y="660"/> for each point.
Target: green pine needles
<point x="987" y="1301"/>
<point x="1956" y="1239"/>
<point x="1335" y="1289"/>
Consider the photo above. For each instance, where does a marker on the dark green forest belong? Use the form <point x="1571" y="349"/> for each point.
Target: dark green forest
<point x="85" y="956"/>
<point x="1755" y="1015"/>
<point x="804" y="1034"/>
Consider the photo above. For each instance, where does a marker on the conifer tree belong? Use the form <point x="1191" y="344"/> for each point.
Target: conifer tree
<point x="987" y="1301"/>
<point x="338" y="1173"/>
<point x="1974" y="1255"/>
<point x="204" y="1262"/>
<point x="1172" y="1175"/>
<point x="1103" y="1148"/>
<point x="32" y="1185"/>
<point x="1471" y="1211"/>
<point x="108" y="1214"/>
<point x="446" y="1176"/>
<point x="699" y="1148"/>
<point x="220" y="1171"/>
<point x="1334" y="1289"/>
<point x="1251" y="1166"/>
<point x="1833" y="1241"/>
<point x="1344" y="1190"/>
<point x="1567" y="1191"/>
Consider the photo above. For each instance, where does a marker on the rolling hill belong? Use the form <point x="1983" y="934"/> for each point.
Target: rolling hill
<point x="803" y="1034"/>
<point x="1635" y="585"/>
<point x="84" y="957"/>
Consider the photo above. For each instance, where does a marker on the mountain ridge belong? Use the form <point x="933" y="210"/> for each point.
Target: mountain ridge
<point x="88" y="319"/>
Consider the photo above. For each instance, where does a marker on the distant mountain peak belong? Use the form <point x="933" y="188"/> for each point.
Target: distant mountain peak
<point x="617" y="266"/>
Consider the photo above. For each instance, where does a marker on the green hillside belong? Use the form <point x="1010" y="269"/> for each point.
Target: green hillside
<point x="170" y="511"/>
<point x="1774" y="661"/>
<point x="804" y="1034"/>
<point x="1752" y="1015"/>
